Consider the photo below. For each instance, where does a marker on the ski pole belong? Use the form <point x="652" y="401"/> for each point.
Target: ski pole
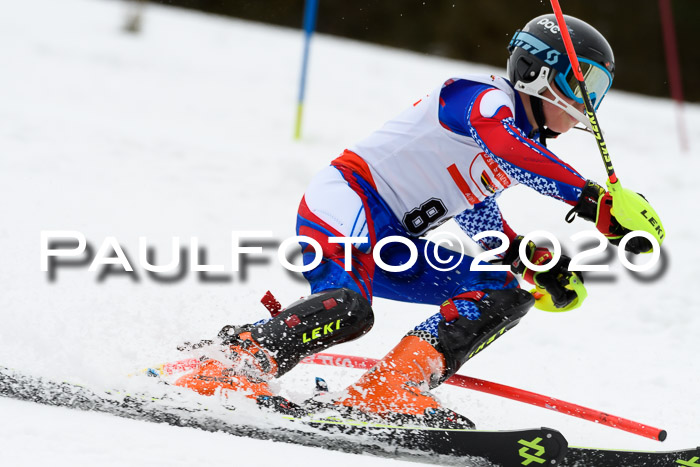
<point x="590" y="110"/>
<point x="539" y="400"/>
<point x="310" y="12"/>
<point x="630" y="209"/>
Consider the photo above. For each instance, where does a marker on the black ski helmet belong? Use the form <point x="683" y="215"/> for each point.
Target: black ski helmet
<point x="538" y="58"/>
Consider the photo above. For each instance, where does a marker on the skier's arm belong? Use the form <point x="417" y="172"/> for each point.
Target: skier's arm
<point x="492" y="125"/>
<point x="487" y="116"/>
<point x="484" y="216"/>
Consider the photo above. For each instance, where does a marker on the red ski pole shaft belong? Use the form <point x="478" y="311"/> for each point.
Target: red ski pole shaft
<point x="501" y="390"/>
<point x="590" y="109"/>
<point x="557" y="405"/>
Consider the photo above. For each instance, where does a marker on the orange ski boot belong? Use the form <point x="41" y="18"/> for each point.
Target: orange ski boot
<point x="397" y="388"/>
<point x="248" y="370"/>
<point x="267" y="350"/>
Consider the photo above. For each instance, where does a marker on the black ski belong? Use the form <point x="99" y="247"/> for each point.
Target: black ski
<point x="519" y="447"/>
<point x="533" y="447"/>
<point x="538" y="446"/>
<point x="585" y="457"/>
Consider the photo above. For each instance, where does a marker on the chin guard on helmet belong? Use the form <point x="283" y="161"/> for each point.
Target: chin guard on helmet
<point x="537" y="86"/>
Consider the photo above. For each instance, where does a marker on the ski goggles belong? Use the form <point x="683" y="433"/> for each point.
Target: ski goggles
<point x="598" y="81"/>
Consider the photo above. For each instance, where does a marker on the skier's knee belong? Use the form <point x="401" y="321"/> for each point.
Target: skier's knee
<point x="313" y="324"/>
<point x="462" y="338"/>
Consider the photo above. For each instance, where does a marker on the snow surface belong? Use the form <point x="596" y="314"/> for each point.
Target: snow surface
<point x="185" y="130"/>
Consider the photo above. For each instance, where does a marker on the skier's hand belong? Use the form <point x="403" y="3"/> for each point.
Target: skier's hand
<point x="613" y="231"/>
<point x="554" y="280"/>
<point x="595" y="205"/>
<point x="537" y="256"/>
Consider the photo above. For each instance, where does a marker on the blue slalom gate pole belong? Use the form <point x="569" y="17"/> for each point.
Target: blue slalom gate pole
<point x="310" y="13"/>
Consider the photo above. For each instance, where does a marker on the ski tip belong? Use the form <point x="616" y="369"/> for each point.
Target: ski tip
<point x="662" y="435"/>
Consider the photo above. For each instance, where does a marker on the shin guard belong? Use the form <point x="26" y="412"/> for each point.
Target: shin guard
<point x="310" y="325"/>
<point x="463" y="338"/>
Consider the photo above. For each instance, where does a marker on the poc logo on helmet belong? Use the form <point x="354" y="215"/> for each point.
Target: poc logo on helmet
<point x="548" y="24"/>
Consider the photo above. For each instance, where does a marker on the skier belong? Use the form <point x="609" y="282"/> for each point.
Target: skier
<point x="449" y="155"/>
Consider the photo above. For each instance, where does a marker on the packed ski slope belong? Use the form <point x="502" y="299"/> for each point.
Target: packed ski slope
<point x="185" y="131"/>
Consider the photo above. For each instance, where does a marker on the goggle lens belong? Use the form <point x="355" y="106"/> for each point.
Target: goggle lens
<point x="597" y="79"/>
